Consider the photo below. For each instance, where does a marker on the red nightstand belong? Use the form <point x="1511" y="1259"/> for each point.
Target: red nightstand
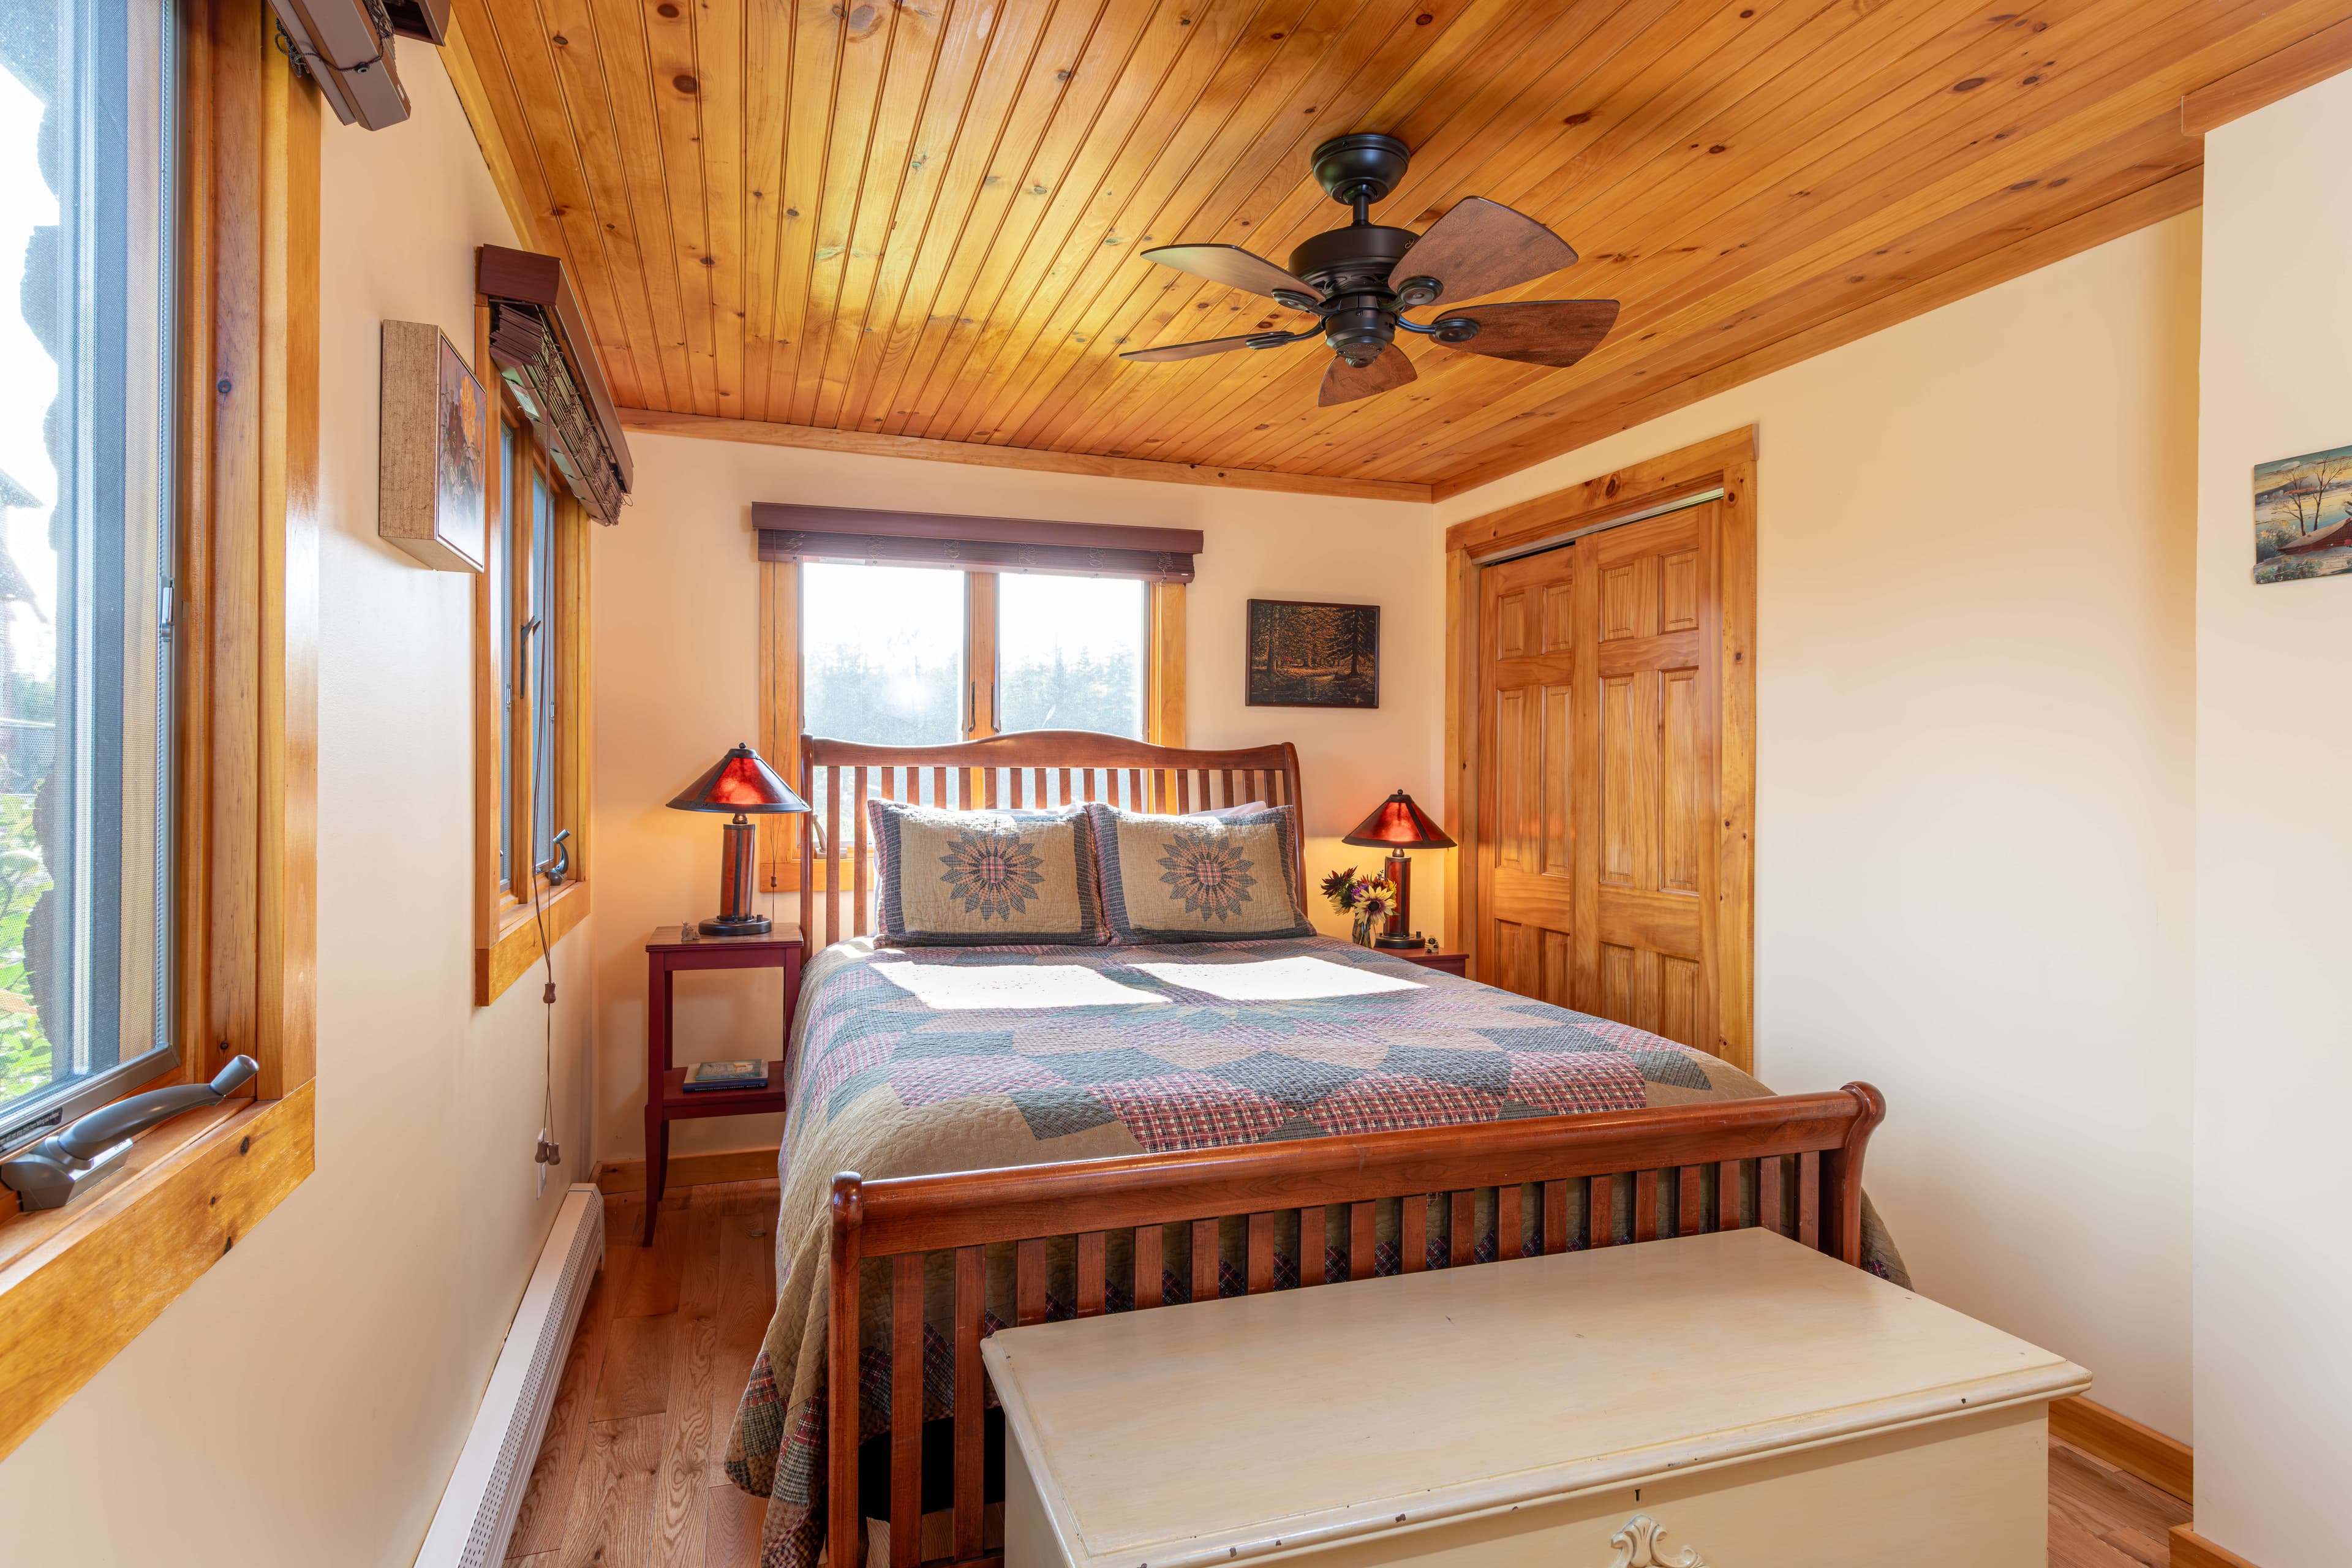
<point x="1452" y="962"/>
<point x="667" y="1100"/>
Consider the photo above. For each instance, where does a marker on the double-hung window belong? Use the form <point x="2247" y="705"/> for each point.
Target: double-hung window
<point x="86" y="134"/>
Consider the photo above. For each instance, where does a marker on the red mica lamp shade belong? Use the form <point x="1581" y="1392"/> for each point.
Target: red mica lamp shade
<point x="740" y="782"/>
<point x="1397" y="825"/>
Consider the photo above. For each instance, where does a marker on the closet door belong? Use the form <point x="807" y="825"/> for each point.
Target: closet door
<point x="1527" y="756"/>
<point x="1646" y="862"/>
<point x="1598" y="766"/>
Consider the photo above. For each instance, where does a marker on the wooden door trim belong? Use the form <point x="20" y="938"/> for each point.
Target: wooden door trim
<point x="1727" y="462"/>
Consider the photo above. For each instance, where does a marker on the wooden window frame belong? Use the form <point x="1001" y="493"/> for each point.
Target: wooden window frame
<point x="781" y="705"/>
<point x="1727" y="462"/>
<point x="510" y="918"/>
<point x="79" y="1283"/>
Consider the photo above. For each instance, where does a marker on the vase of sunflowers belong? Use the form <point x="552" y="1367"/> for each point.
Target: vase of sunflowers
<point x="1372" y="900"/>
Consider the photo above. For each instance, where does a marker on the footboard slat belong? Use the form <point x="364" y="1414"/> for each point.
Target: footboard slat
<point x="1149" y="1285"/>
<point x="1666" y="1154"/>
<point x="1029" y="1282"/>
<point x="907" y="1410"/>
<point x="1261" y="1254"/>
<point x="970" y="1443"/>
<point x="1092" y="1255"/>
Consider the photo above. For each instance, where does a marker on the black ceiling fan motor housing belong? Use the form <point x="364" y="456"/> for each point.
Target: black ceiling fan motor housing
<point x="1351" y="265"/>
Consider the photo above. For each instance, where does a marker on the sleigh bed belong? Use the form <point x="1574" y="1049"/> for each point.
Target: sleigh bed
<point x="1039" y="1132"/>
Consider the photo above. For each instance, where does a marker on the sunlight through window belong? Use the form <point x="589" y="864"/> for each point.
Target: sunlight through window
<point x="1299" y="979"/>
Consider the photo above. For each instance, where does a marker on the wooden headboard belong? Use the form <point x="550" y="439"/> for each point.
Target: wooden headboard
<point x="1029" y="769"/>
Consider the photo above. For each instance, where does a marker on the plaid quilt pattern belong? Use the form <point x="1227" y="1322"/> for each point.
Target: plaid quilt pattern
<point x="907" y="1060"/>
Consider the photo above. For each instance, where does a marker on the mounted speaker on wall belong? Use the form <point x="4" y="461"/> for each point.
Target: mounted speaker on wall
<point x="433" y="451"/>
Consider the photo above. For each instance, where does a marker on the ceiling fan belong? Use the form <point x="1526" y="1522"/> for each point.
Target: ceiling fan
<point x="1361" y="280"/>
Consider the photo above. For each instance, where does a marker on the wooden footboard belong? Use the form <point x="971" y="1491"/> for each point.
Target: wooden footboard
<point x="1789" y="1161"/>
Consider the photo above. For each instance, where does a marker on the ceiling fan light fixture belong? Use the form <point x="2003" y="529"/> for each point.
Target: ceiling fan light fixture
<point x="1348" y="278"/>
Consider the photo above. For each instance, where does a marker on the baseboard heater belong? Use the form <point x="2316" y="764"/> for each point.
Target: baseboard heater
<point x="476" y="1516"/>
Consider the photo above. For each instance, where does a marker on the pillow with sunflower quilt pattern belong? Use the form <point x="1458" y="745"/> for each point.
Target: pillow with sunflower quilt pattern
<point x="1195" y="879"/>
<point x="984" y="879"/>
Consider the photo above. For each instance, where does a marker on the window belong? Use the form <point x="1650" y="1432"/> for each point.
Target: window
<point x="534" y="666"/>
<point x="905" y="656"/>
<point x="86" y="269"/>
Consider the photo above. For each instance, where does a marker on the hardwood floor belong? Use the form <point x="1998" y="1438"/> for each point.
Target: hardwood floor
<point x="631" y="1471"/>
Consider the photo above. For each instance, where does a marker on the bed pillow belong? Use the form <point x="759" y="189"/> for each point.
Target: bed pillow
<point x="984" y="879"/>
<point x="1196" y="878"/>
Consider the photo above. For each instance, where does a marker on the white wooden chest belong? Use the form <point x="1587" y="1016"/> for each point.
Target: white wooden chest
<point x="1734" y="1400"/>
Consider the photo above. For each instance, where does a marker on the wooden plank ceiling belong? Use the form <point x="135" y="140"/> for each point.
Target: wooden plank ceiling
<point x="922" y="218"/>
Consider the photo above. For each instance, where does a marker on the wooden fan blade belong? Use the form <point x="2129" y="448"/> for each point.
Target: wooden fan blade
<point x="1190" y="351"/>
<point x="1345" y="383"/>
<point x="1481" y="246"/>
<point x="1557" y="333"/>
<point x="1232" y="266"/>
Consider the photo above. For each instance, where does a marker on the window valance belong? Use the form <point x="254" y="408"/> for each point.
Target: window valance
<point x="794" y="532"/>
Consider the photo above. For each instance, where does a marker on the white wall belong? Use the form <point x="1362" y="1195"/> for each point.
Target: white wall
<point x="2274" y="1265"/>
<point x="1974" y="724"/>
<point x="675" y="618"/>
<point x="303" y="1403"/>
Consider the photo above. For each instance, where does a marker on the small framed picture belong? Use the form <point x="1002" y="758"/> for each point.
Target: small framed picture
<point x="2302" y="516"/>
<point x="433" y="457"/>
<point x="1312" y="656"/>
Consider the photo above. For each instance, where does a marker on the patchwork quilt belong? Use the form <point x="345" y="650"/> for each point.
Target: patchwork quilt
<point x="907" y="1061"/>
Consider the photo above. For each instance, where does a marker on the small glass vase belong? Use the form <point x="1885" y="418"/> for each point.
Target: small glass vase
<point x="1368" y="926"/>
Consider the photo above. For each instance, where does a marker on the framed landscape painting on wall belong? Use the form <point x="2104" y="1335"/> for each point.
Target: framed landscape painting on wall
<point x="2302" y="516"/>
<point x="1312" y="656"/>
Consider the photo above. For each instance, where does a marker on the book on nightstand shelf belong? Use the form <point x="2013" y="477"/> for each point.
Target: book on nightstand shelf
<point x="726" y="1075"/>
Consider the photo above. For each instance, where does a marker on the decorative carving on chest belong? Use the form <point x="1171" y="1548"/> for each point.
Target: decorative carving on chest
<point x="1637" y="1547"/>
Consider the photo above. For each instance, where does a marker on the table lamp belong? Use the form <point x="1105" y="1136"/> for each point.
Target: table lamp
<point x="1398" y="825"/>
<point x="740" y="782"/>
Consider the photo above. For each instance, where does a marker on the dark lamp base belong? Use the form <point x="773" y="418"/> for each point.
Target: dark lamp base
<point x="1396" y="940"/>
<point x="739" y="925"/>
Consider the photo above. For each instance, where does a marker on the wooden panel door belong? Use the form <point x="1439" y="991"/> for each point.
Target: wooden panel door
<point x="1598" y="757"/>
<point x="1527" y="752"/>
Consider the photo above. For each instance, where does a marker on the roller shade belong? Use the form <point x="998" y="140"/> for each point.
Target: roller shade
<point x="794" y="532"/>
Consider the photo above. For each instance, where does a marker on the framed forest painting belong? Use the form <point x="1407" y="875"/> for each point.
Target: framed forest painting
<point x="1312" y="656"/>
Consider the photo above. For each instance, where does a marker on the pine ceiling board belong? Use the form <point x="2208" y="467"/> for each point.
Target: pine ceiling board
<point x="1313" y="57"/>
<point x="1456" y="113"/>
<point x="721" y="60"/>
<point x="881" y="44"/>
<point x="614" y="268"/>
<point x="767" y="100"/>
<point x="669" y="45"/>
<point x="1123" y="63"/>
<point x="1089" y="404"/>
<point x="818" y="26"/>
<point x="1885" y="188"/>
<point x="921" y="86"/>
<point x="986" y="178"/>
<point x="954" y="149"/>
<point x="620" y="44"/>
<point x="520" y="57"/>
<point x="1148" y="108"/>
